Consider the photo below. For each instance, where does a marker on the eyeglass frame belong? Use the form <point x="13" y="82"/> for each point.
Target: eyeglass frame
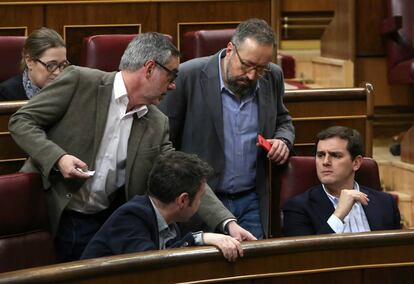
<point x="172" y="73"/>
<point x="61" y="65"/>
<point x="246" y="67"/>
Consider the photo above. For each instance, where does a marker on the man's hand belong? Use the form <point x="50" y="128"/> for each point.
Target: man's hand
<point x="279" y="153"/>
<point x="239" y="233"/>
<point x="347" y="199"/>
<point x="68" y="165"/>
<point x="229" y="246"/>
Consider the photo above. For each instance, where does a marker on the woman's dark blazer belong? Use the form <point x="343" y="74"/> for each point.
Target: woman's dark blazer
<point x="12" y="89"/>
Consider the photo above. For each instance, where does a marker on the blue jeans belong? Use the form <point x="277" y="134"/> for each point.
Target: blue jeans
<point x="74" y="233"/>
<point x="77" y="229"/>
<point x="246" y="210"/>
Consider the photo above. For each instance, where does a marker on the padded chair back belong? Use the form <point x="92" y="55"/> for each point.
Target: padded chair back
<point x="204" y="42"/>
<point x="104" y="52"/>
<point x="299" y="174"/>
<point x="400" y="49"/>
<point x="10" y="56"/>
<point x="208" y="42"/>
<point x="24" y="239"/>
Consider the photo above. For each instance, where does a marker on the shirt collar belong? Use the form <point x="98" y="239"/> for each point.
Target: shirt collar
<point x="162" y="224"/>
<point x="121" y="97"/>
<point x="335" y="199"/>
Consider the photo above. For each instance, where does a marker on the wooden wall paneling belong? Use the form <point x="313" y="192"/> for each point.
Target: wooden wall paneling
<point x="11" y="166"/>
<point x="182" y="28"/>
<point x="315" y="110"/>
<point x="307" y="129"/>
<point x="275" y="12"/>
<point x="99" y="18"/>
<point x="74" y="34"/>
<point x="19" y="17"/>
<point x="10" y="150"/>
<point x="369" y="17"/>
<point x="369" y="122"/>
<point x="320" y="108"/>
<point x="304" y="26"/>
<point x="173" y="13"/>
<point x="13" y="31"/>
<point x="338" y="40"/>
<point x="374" y="70"/>
<point x="307" y="6"/>
<point x="407" y="147"/>
<point x="333" y="72"/>
<point x="395" y="275"/>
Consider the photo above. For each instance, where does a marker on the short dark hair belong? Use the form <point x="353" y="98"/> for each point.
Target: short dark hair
<point x="175" y="173"/>
<point x="355" y="146"/>
<point x="256" y="29"/>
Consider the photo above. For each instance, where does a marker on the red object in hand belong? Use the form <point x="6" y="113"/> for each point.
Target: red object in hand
<point x="264" y="143"/>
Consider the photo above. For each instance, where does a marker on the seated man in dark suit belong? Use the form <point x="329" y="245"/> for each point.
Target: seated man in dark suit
<point x="176" y="185"/>
<point x="339" y="204"/>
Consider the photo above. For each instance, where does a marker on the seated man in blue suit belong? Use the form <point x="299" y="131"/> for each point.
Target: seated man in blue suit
<point x="176" y="185"/>
<point x="339" y="204"/>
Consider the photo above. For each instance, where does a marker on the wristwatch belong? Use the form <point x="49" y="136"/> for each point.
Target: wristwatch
<point x="198" y="238"/>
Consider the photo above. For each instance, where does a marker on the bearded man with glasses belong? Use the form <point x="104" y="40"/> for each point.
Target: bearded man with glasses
<point x="220" y="104"/>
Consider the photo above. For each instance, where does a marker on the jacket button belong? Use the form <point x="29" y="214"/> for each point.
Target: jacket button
<point x="69" y="195"/>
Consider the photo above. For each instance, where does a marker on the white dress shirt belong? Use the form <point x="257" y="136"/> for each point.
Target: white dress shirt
<point x="356" y="220"/>
<point x="111" y="158"/>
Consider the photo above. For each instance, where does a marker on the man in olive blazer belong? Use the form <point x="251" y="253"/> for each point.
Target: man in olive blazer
<point x="68" y="118"/>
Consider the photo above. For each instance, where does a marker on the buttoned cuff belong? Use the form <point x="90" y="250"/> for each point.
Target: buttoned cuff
<point x="336" y="224"/>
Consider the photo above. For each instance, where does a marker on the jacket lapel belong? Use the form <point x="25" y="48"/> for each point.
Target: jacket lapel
<point x="371" y="211"/>
<point x="153" y="222"/>
<point x="264" y="101"/>
<point x="210" y="88"/>
<point x="102" y="107"/>
<point x="139" y="126"/>
<point x="321" y="204"/>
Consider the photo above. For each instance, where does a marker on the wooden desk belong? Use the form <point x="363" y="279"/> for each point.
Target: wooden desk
<point x="313" y="110"/>
<point x="380" y="257"/>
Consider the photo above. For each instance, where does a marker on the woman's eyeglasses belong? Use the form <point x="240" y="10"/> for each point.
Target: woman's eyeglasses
<point x="52" y="66"/>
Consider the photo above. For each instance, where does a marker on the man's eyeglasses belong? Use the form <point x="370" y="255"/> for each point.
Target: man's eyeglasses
<point x="246" y="67"/>
<point x="172" y="73"/>
<point x="52" y="66"/>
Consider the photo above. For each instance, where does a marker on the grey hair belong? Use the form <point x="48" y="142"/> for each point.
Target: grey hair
<point x="256" y="29"/>
<point x="147" y="46"/>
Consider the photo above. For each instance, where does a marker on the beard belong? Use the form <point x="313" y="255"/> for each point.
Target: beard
<point x="241" y="86"/>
